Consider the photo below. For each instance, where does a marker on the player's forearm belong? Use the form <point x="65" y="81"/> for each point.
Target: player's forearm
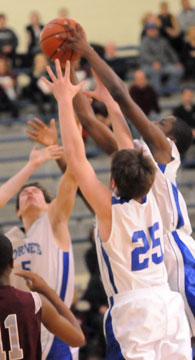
<point x="71" y="138"/>
<point x="13" y="185"/>
<point x="99" y="132"/>
<point x="61" y="308"/>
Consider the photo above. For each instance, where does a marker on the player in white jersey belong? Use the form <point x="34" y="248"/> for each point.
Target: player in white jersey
<point x="142" y="306"/>
<point x="182" y="247"/>
<point x="44" y="246"/>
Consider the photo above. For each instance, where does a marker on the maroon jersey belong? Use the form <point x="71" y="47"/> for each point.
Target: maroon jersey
<point x="20" y="324"/>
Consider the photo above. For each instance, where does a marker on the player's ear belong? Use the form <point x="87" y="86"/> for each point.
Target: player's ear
<point x="12" y="263"/>
<point x="18" y="213"/>
<point x="172" y="138"/>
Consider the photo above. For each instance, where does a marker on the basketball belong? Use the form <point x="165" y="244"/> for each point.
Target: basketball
<point x="54" y="47"/>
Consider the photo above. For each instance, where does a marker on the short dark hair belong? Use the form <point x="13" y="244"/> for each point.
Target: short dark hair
<point x="182" y="133"/>
<point x="133" y="173"/>
<point x="99" y="108"/>
<point x="47" y="196"/>
<point x="6" y="251"/>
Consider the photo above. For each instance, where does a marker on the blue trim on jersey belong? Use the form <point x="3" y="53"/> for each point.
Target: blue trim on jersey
<point x="110" y="273"/>
<point x="119" y="200"/>
<point x="60" y="350"/>
<point x="180" y="221"/>
<point x="113" y="350"/>
<point x="144" y="200"/>
<point x="162" y="167"/>
<point x="65" y="275"/>
<point x="189" y="269"/>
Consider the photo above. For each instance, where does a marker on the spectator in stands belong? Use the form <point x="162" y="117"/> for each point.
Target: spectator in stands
<point x="144" y="94"/>
<point x="188" y="53"/>
<point x="118" y="64"/>
<point x="186" y="111"/>
<point x="8" y="40"/>
<point x="7" y="88"/>
<point x="186" y="17"/>
<point x="37" y="90"/>
<point x="63" y="12"/>
<point x="148" y="18"/>
<point x="158" y="59"/>
<point x="33" y="31"/>
<point x="169" y="27"/>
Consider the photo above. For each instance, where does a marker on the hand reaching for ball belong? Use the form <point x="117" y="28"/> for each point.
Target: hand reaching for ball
<point x="60" y="85"/>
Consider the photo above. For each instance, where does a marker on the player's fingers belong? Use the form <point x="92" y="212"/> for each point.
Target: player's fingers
<point x="53" y="123"/>
<point x="58" y="69"/>
<point x="80" y="85"/>
<point x="35" y="147"/>
<point x="33" y="125"/>
<point x="23" y="273"/>
<point x="39" y="122"/>
<point x="89" y="94"/>
<point x="51" y="74"/>
<point x="49" y="83"/>
<point x="31" y="132"/>
<point x="67" y="70"/>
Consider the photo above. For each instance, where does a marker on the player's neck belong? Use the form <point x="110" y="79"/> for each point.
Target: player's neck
<point x="29" y="218"/>
<point x="4" y="280"/>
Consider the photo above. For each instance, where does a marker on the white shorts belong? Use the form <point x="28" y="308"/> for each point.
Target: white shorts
<point x="147" y="324"/>
<point x="179" y="257"/>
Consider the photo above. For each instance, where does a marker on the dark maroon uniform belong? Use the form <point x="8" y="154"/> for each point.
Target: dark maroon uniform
<point x="20" y="323"/>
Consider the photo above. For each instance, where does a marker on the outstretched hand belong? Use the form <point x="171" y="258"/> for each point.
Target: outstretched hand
<point x="40" y="156"/>
<point x="60" y="85"/>
<point x="100" y="93"/>
<point x="76" y="39"/>
<point x="41" y="133"/>
<point x="33" y="281"/>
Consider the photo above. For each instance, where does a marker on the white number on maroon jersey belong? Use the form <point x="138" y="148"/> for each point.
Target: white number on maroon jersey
<point x="15" y="352"/>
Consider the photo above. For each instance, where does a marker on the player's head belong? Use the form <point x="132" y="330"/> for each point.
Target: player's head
<point x="133" y="173"/>
<point x="6" y="251"/>
<point x="32" y="194"/>
<point x="178" y="131"/>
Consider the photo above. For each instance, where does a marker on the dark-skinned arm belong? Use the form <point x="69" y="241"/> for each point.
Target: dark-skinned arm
<point x="154" y="137"/>
<point x="99" y="132"/>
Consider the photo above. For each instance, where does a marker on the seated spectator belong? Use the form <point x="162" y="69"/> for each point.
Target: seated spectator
<point x="8" y="40"/>
<point x="148" y="18"/>
<point x="169" y="27"/>
<point x="33" y="31"/>
<point x="158" y="59"/>
<point x="63" y="12"/>
<point x="37" y="90"/>
<point x="186" y="111"/>
<point x="118" y="64"/>
<point x="188" y="53"/>
<point x="7" y="88"/>
<point x="144" y="94"/>
<point x="186" y="17"/>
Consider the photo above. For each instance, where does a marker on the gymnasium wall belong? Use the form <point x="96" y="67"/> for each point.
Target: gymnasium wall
<point x="103" y="20"/>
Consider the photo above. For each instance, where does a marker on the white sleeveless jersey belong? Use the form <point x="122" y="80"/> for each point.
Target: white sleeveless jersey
<point x="37" y="250"/>
<point x="132" y="258"/>
<point x="179" y="254"/>
<point x="170" y="201"/>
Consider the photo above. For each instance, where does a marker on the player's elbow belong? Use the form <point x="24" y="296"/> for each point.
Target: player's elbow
<point x="79" y="340"/>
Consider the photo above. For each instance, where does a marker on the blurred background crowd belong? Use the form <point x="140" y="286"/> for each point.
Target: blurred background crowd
<point x="160" y="74"/>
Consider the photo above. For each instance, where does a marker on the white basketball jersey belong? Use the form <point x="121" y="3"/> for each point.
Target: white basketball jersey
<point x="132" y="258"/>
<point x="37" y="250"/>
<point x="170" y="201"/>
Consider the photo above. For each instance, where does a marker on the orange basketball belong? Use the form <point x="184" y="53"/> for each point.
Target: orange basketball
<point x="52" y="46"/>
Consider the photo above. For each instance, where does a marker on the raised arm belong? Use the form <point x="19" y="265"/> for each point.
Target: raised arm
<point x="99" y="132"/>
<point x="121" y="130"/>
<point x="56" y="316"/>
<point x="96" y="193"/>
<point x="154" y="137"/>
<point x="36" y="158"/>
<point x="45" y="135"/>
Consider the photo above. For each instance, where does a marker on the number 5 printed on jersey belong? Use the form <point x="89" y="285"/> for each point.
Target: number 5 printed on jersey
<point x="136" y="263"/>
